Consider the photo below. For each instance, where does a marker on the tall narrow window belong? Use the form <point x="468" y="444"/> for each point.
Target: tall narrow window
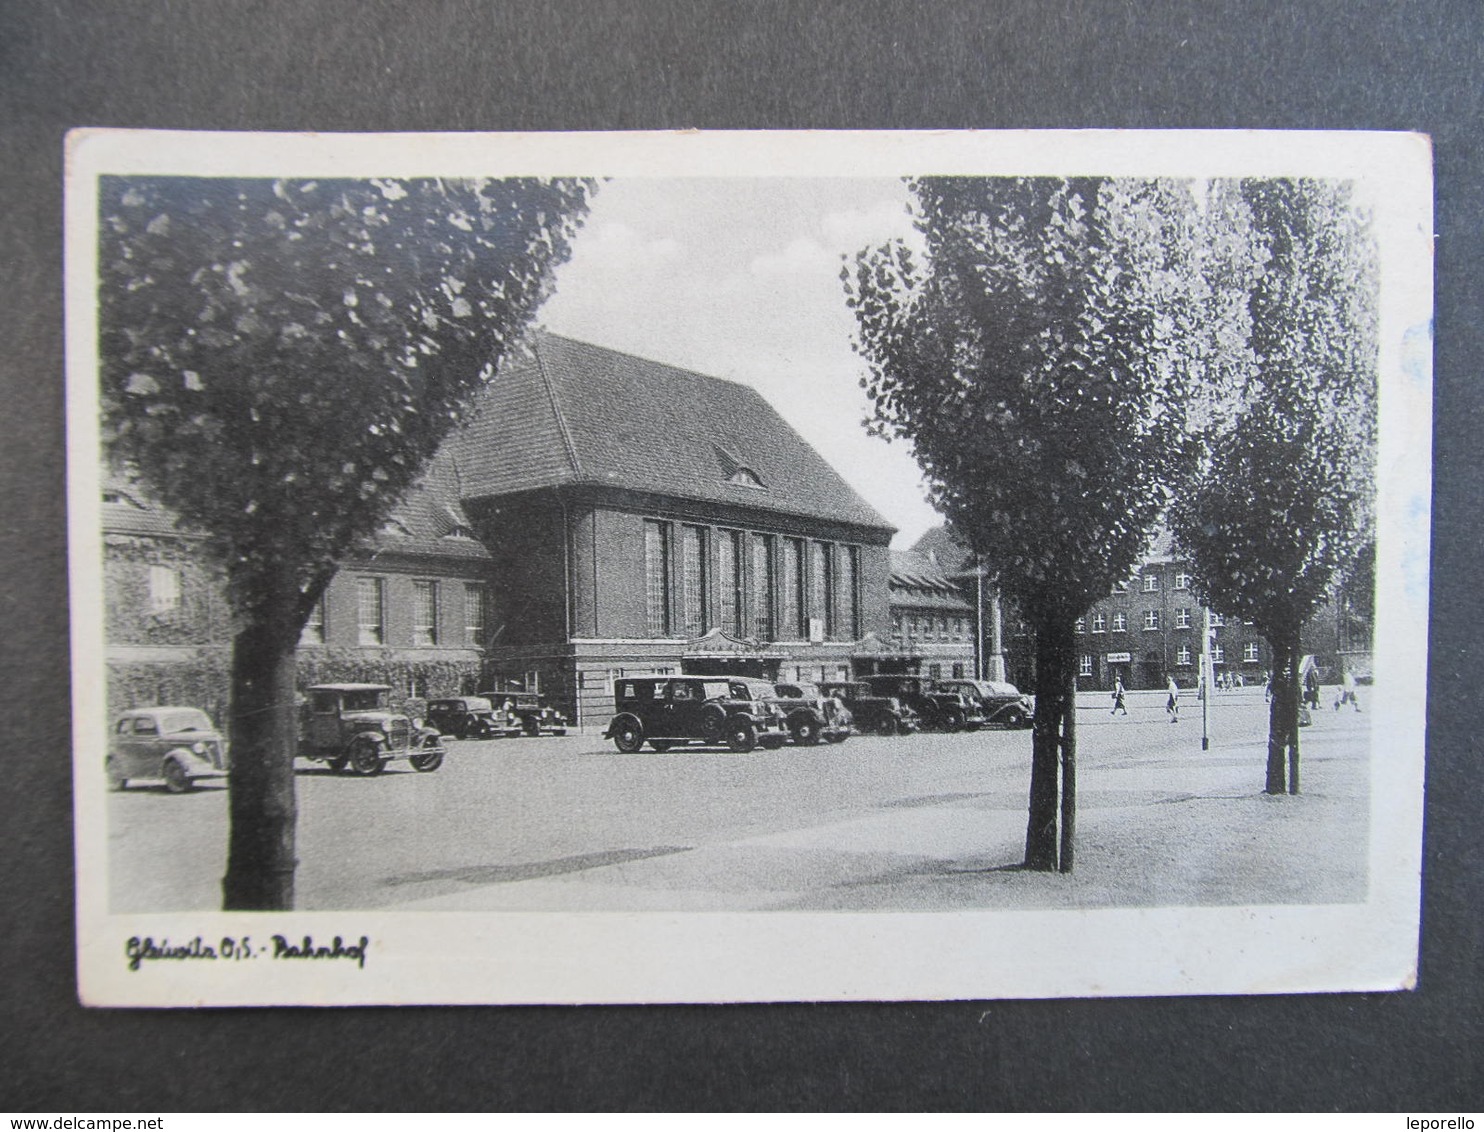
<point x="693" y="579"/>
<point x="822" y="581"/>
<point x="849" y="597"/>
<point x="763" y="587"/>
<point x="474" y="613"/>
<point x="657" y="578"/>
<point x="369" y="611"/>
<point x="424" y="613"/>
<point x="729" y="571"/>
<point x="164" y="589"/>
<point x="793" y="590"/>
<point x="313" y="632"/>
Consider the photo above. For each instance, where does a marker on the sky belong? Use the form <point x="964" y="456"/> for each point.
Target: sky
<point x="740" y="279"/>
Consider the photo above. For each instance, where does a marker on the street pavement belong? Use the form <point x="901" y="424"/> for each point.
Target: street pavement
<point x="921" y="823"/>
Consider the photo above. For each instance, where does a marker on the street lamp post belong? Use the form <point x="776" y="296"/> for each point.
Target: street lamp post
<point x="1207" y="680"/>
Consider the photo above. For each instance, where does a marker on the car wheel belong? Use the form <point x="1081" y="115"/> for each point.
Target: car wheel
<point x="888" y="725"/>
<point x="838" y="737"/>
<point x="1013" y="718"/>
<point x="806" y="733"/>
<point x="661" y="745"/>
<point x="628" y="736"/>
<point x="953" y="721"/>
<point x="532" y="730"/>
<point x="116" y="780"/>
<point x="741" y="737"/>
<point x="177" y="781"/>
<point x="336" y="765"/>
<point x="430" y="761"/>
<point x="365" y="759"/>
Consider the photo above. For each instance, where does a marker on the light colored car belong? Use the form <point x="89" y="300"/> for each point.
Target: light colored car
<point x="177" y="745"/>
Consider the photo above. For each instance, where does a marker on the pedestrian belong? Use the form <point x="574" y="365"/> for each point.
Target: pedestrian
<point x="1172" y="705"/>
<point x="1311" y="689"/>
<point x="1118" y="704"/>
<point x="1347" y="692"/>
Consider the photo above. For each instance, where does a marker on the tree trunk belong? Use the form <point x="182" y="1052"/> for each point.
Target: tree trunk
<point x="1053" y="749"/>
<point x="1283" y="713"/>
<point x="261" y="802"/>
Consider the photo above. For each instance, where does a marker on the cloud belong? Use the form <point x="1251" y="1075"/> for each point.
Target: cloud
<point x="618" y="244"/>
<point x="801" y="257"/>
<point x="849" y="230"/>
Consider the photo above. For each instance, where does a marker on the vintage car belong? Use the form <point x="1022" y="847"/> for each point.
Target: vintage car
<point x="534" y="716"/>
<point x="813" y="715"/>
<point x="1002" y="704"/>
<point x="351" y="725"/>
<point x="943" y="709"/>
<point x="175" y="744"/>
<point x="666" y="711"/>
<point x="882" y="715"/>
<point x="472" y="717"/>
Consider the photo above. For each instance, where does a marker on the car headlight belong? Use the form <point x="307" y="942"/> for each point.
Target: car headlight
<point x="386" y="726"/>
<point x="199" y="748"/>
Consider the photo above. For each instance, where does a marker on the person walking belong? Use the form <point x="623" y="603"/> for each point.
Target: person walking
<point x="1311" y="689"/>
<point x="1172" y="705"/>
<point x="1347" y="692"/>
<point x="1118" y="704"/>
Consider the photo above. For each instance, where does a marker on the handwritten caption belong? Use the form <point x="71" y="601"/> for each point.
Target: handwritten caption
<point x="232" y="949"/>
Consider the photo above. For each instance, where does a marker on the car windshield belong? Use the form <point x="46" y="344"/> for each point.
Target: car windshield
<point x="364" y="699"/>
<point x="716" y="689"/>
<point x="177" y="721"/>
<point x="472" y="704"/>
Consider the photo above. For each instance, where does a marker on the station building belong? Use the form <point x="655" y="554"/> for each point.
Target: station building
<point x="644" y="518"/>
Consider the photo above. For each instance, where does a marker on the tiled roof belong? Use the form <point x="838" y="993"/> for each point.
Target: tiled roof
<point x="908" y="568"/>
<point x="578" y="414"/>
<point x="940" y="546"/>
<point x="420" y="525"/>
<point x="424" y="521"/>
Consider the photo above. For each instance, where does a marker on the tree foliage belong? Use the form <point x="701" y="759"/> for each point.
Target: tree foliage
<point x="1036" y="354"/>
<point x="281" y="358"/>
<point x="1283" y="501"/>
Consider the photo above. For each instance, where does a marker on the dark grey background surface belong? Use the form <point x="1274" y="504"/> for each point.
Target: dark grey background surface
<point x="668" y="63"/>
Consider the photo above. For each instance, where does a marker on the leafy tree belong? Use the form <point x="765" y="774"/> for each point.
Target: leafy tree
<point x="1035" y="356"/>
<point x="280" y="359"/>
<point x="1282" y="504"/>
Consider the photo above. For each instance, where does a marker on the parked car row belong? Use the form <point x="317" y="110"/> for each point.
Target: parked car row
<point x="352" y="726"/>
<point x="744" y="712"/>
<point x="496" y="715"/>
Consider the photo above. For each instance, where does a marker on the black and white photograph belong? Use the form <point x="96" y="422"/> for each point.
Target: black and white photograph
<point x="722" y="567"/>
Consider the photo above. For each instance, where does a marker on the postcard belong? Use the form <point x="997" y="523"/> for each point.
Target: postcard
<point x="745" y="567"/>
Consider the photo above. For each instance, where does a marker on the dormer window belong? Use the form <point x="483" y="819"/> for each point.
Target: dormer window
<point x="744" y="477"/>
<point x="460" y="532"/>
<point x="119" y="499"/>
<point x="392" y="527"/>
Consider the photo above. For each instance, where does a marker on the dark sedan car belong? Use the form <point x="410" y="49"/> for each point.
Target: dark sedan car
<point x="880" y="715"/>
<point x="536" y="716"/>
<point x="1002" y="704"/>
<point x="471" y="717"/>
